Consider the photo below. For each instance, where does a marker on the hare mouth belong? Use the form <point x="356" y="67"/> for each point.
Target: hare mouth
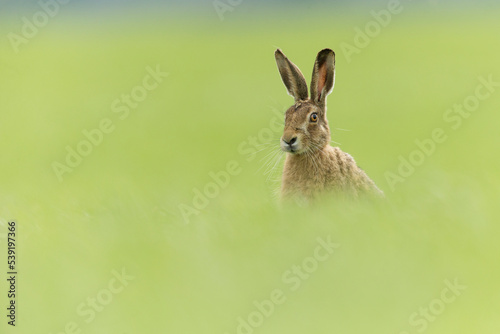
<point x="291" y="150"/>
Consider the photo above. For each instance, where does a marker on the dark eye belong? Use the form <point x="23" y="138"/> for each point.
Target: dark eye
<point x="314" y="118"/>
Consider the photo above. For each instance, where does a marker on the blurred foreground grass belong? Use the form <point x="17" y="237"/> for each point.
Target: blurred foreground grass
<point x="120" y="207"/>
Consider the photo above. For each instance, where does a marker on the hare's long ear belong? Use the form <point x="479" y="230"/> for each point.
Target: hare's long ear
<point x="323" y="77"/>
<point x="292" y="77"/>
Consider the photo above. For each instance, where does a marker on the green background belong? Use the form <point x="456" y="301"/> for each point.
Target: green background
<point x="121" y="207"/>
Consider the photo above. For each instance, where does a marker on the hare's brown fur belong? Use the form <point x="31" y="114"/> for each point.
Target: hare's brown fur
<point x="312" y="166"/>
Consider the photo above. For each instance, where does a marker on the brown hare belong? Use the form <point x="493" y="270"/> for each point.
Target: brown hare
<point x="312" y="166"/>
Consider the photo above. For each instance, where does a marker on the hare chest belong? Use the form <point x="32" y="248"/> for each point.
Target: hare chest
<point x="310" y="174"/>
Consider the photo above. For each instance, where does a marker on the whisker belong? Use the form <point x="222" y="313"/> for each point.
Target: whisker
<point x="269" y="158"/>
<point x="333" y="141"/>
<point x="258" y="151"/>
<point x="278" y="159"/>
<point x="273" y="142"/>
<point x="271" y="153"/>
<point x="264" y="148"/>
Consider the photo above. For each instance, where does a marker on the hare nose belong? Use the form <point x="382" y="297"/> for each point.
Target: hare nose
<point x="291" y="142"/>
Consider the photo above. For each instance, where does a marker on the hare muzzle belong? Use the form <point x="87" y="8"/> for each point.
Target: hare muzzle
<point x="290" y="142"/>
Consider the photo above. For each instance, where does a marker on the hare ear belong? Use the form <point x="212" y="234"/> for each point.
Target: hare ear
<point x="323" y="77"/>
<point x="292" y="77"/>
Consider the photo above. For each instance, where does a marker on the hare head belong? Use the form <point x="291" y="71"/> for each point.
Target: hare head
<point x="306" y="125"/>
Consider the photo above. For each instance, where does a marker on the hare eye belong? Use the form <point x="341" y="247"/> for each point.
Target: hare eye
<point x="314" y="117"/>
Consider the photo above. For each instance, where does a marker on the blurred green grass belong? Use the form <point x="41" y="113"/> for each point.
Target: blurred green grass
<point x="119" y="208"/>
